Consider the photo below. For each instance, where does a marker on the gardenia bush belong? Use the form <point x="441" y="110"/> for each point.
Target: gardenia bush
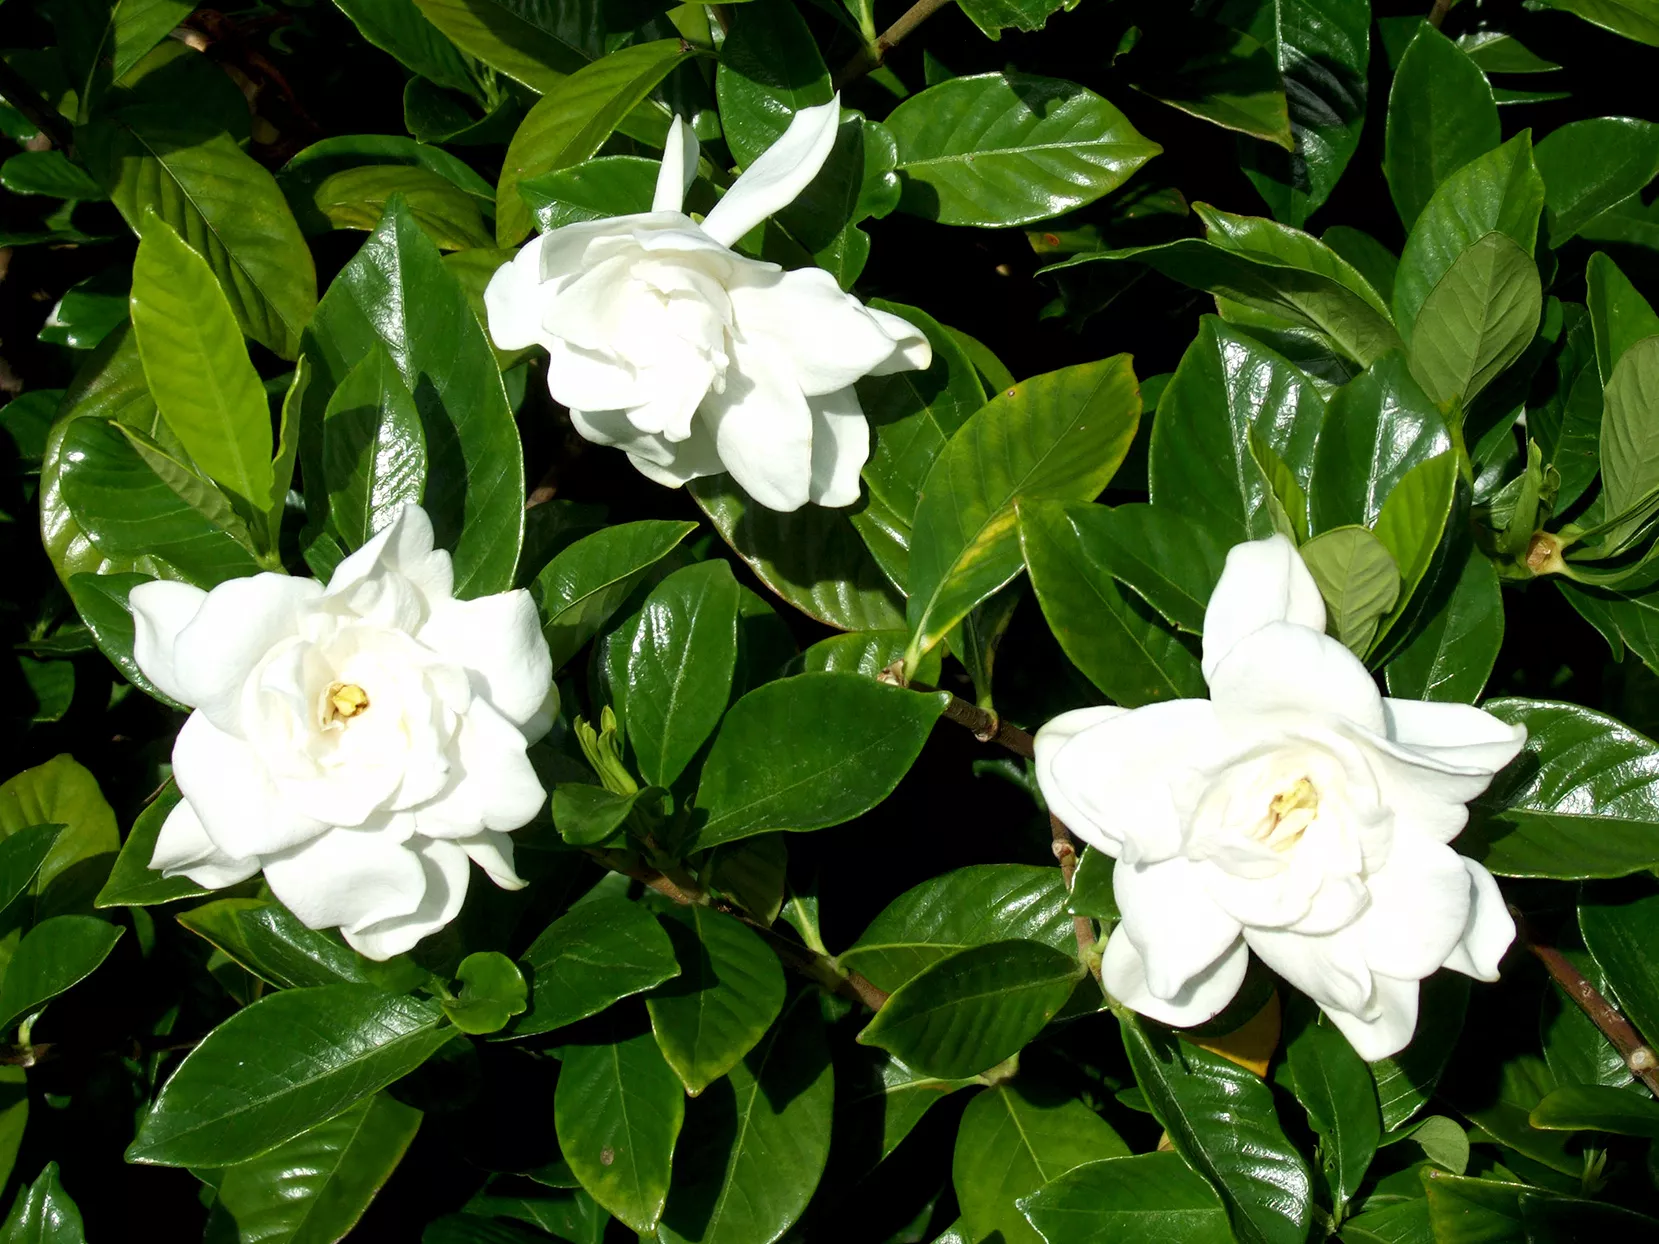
<point x="1015" y="622"/>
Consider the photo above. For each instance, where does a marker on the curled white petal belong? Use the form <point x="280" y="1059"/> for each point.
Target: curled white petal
<point x="184" y="849"/>
<point x="781" y="172"/>
<point x="1263" y="581"/>
<point x="1202" y="998"/>
<point x="679" y="167"/>
<point x="160" y="612"/>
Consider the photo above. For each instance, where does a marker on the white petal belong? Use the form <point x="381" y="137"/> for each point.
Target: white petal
<point x="1437" y="758"/>
<point x="183" y="847"/>
<point x="1330" y="969"/>
<point x="822" y="338"/>
<point x="445" y="866"/>
<point x="405" y="546"/>
<point x="493" y="852"/>
<point x="840" y="447"/>
<point x="1132" y="775"/>
<point x="1389" y="1032"/>
<point x="1178" y="930"/>
<point x="350" y="878"/>
<point x="232" y="792"/>
<point x="1283" y="671"/>
<point x="1420" y="902"/>
<point x="578" y="377"/>
<point x="1454" y="735"/>
<point x="237" y="625"/>
<point x="512" y="299"/>
<point x="1203" y="998"/>
<point x="785" y="169"/>
<point x="160" y="612"/>
<point x="498" y="641"/>
<point x="1490" y="931"/>
<point x="679" y="168"/>
<point x="912" y="351"/>
<point x="492" y="783"/>
<point x="763" y="433"/>
<point x="1264" y="581"/>
<point x="1050" y="740"/>
<point x="686" y="460"/>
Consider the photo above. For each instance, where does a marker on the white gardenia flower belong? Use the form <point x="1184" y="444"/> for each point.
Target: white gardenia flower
<point x="694" y="359"/>
<point x="359" y="742"/>
<point x="1296" y="813"/>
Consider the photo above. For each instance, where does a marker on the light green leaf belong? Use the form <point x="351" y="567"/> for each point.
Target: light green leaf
<point x="1477" y="320"/>
<point x="356" y="198"/>
<point x="1453" y="653"/>
<point x="1358" y="579"/>
<point x="62" y="792"/>
<point x="492" y="992"/>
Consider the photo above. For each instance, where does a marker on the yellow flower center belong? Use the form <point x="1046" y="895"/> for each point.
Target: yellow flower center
<point x="344" y="701"/>
<point x="1289" y="813"/>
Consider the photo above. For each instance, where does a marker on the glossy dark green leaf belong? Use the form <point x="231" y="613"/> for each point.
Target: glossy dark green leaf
<point x="995" y="16"/>
<point x="356" y="198"/>
<point x="1321" y="51"/>
<point x="265" y="938"/>
<point x="55" y="955"/>
<point x="1115" y="638"/>
<point x="728" y="991"/>
<point x="1441" y="115"/>
<point x="1220" y="73"/>
<point x="1522" y="1082"/>
<point x="592" y="190"/>
<point x="132" y="882"/>
<point x="972" y="906"/>
<point x="812" y="557"/>
<point x="810" y="751"/>
<point x="1406" y="1081"/>
<point x="1566" y="423"/>
<point x="374" y="451"/>
<point x="757" y="1143"/>
<point x="867" y="653"/>
<point x="1582" y="799"/>
<point x="1477" y="320"/>
<point x="1473" y="1211"/>
<point x="619" y="1108"/>
<point x="1548" y="1216"/>
<point x="1452" y="655"/>
<point x="1148" y="1197"/>
<point x="492" y="992"/>
<point x="87" y="313"/>
<point x="314" y="1188"/>
<point x="587" y="815"/>
<point x="1630" y="434"/>
<point x="1597" y="1108"/>
<point x="1008" y="148"/>
<point x="1059" y="436"/>
<point x="1335" y="1087"/>
<point x="22" y="852"/>
<point x="63" y="792"/>
<point x="880" y="1102"/>
<point x="475" y="481"/>
<point x="1498" y="191"/>
<point x="1379" y="427"/>
<point x="48" y="173"/>
<point x="536" y="44"/>
<point x="1634" y="19"/>
<point x="282" y="1065"/>
<point x="1589" y="166"/>
<point x="969" y="1011"/>
<point x="752" y="873"/>
<point x="1619" y="315"/>
<point x="595" y="954"/>
<point x="677" y="674"/>
<point x="1014" y="1139"/>
<point x="1221" y="1119"/>
<point x="770" y="69"/>
<point x="1227" y="386"/>
<point x="43" y="1214"/>
<point x="572" y="119"/>
<point x="220" y="201"/>
<point x="1358" y="579"/>
<point x="1617" y="930"/>
<point x="578" y="591"/>
<point x="399" y="28"/>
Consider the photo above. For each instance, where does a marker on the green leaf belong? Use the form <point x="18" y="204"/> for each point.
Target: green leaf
<point x="492" y="992"/>
<point x="49" y="173"/>
<point x="399" y="28"/>
<point x="22" y="852"/>
<point x="1413" y="520"/>
<point x="1597" y="1108"/>
<point x="728" y="991"/>
<point x="1221" y="1119"/>
<point x="595" y="189"/>
<point x="618" y="1108"/>
<point x="43" y="1214"/>
<point x="265" y="938"/>
<point x="132" y="882"/>
<point x="301" y="176"/>
<point x="1575" y="1049"/>
<point x="1008" y="148"/>
<point x="1634" y="19"/>
<point x="1452" y="655"/>
<point x="1472" y="1211"/>
<point x="1227" y="386"/>
<point x="1630" y="435"/>
<point x="867" y="653"/>
<point x="1477" y="320"/>
<point x="1358" y="579"/>
<point x="586" y="815"/>
<point x="1059" y="436"/>
<point x="1014" y="1139"/>
<point x="197" y="366"/>
<point x="1441" y="115"/>
<point x="573" y="117"/>
<point x="592" y="956"/>
<point x="374" y="451"/>
<point x="1589" y="166"/>
<point x="281" y="1066"/>
<point x="1091" y="887"/>
<point x="356" y="198"/>
<point x="54" y="956"/>
<point x="1221" y="74"/>
<point x="677" y="673"/>
<point x="757" y="1143"/>
<point x="1619" y="315"/>
<point x="1581" y="800"/>
<point x="969" y="1011"/>
<point x="1566" y="423"/>
<point x="812" y="557"/>
<point x="1617" y="929"/>
<point x="972" y="906"/>
<point x="532" y="43"/>
<point x="995" y="16"/>
<point x="1406" y="1081"/>
<point x="1114" y="638"/>
<point x="1334" y="1085"/>
<point x="578" y="591"/>
<point x="1149" y="1197"/>
<point x="770" y="69"/>
<point x="1322" y="50"/>
<point x="220" y="201"/>
<point x="396" y="293"/>
<point x="1379" y="427"/>
<point x="1498" y="192"/>
<point x="62" y="792"/>
<point x="810" y="751"/>
<point x="314" y="1188"/>
<point x="880" y="1103"/>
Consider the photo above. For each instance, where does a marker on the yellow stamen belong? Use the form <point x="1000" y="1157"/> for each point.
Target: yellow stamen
<point x="345" y="701"/>
<point x="1291" y="812"/>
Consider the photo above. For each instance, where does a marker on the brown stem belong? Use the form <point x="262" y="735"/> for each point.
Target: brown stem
<point x="1438" y="13"/>
<point x="1065" y="850"/>
<point x="872" y="55"/>
<point x="20" y="95"/>
<point x="989" y="728"/>
<point x="1638" y="1055"/>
